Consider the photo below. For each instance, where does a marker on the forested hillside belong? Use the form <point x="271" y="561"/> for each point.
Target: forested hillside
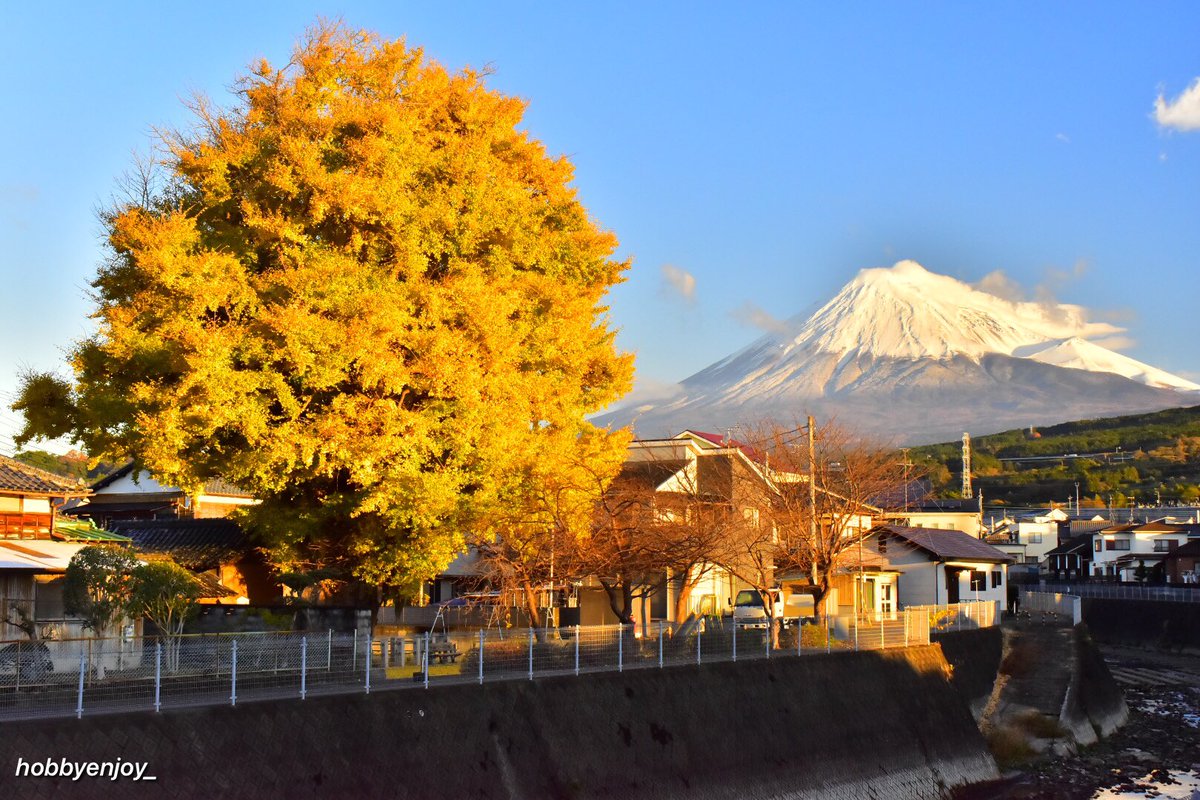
<point x="1142" y="458"/>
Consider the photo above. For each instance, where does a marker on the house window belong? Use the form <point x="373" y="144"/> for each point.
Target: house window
<point x="1031" y="559"/>
<point x="997" y="577"/>
<point x="1099" y="545"/>
<point x="1035" y="538"/>
<point x="978" y="580"/>
<point x="1165" y="545"/>
<point x="1116" y="544"/>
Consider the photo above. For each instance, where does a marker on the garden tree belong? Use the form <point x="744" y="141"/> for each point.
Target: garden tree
<point x="361" y="293"/>
<point x="541" y="530"/>
<point x="98" y="586"/>
<point x="852" y="480"/>
<point x="166" y="594"/>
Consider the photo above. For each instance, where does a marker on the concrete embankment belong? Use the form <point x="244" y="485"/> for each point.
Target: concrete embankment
<point x="848" y="725"/>
<point x="1053" y="693"/>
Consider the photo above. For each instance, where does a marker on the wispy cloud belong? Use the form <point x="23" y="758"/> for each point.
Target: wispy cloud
<point x="756" y="317"/>
<point x="1182" y="113"/>
<point x="679" y="282"/>
<point x="1055" y="279"/>
<point x="1062" y="137"/>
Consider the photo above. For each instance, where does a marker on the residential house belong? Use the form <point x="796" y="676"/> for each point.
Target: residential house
<point x="127" y="495"/>
<point x="230" y="568"/>
<point x="1071" y="560"/>
<point x="964" y="515"/>
<point x="193" y="530"/>
<point x="36" y="544"/>
<point x="1137" y="552"/>
<point x="1182" y="565"/>
<point x="939" y="567"/>
<point x="1029" y="538"/>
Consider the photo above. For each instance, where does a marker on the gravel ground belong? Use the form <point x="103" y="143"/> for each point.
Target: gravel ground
<point x="1155" y="754"/>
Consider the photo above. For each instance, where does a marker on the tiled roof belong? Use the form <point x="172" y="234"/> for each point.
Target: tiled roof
<point x="197" y="544"/>
<point x="18" y="477"/>
<point x="946" y="544"/>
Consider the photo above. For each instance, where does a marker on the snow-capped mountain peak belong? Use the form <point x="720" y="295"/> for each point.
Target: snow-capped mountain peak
<point x="907" y="311"/>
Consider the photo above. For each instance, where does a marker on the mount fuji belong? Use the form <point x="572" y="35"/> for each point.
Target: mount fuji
<point x="918" y="357"/>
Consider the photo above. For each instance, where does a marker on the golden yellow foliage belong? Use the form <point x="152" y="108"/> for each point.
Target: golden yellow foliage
<point x="367" y="297"/>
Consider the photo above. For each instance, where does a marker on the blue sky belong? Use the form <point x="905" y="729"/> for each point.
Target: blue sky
<point x="760" y="153"/>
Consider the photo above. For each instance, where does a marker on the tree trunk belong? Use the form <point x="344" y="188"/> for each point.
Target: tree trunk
<point x="620" y="600"/>
<point x="531" y="606"/>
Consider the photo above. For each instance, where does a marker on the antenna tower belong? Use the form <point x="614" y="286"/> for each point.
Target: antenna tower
<point x="966" y="478"/>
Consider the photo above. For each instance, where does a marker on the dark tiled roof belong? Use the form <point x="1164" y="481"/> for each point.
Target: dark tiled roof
<point x="197" y="544"/>
<point x="1076" y="544"/>
<point x="948" y="544"/>
<point x="18" y="477"/>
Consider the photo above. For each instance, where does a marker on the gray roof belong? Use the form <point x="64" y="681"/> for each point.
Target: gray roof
<point x="197" y="544"/>
<point x="944" y="544"/>
<point x="21" y="478"/>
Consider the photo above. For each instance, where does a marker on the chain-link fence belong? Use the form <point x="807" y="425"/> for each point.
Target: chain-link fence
<point x="91" y="676"/>
<point x="1173" y="594"/>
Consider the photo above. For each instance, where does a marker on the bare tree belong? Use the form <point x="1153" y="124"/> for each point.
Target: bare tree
<point x="827" y="485"/>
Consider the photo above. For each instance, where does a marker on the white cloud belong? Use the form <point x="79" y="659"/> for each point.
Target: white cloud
<point x="1182" y="113"/>
<point x="756" y="317"/>
<point x="679" y="282"/>
<point x="1062" y="137"/>
<point x="998" y="284"/>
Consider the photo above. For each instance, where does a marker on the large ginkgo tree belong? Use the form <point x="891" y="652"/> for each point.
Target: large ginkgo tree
<point x="364" y="294"/>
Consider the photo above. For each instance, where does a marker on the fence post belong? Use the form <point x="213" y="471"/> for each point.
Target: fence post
<point x="481" y="656"/>
<point x="18" y="662"/>
<point x="329" y="652"/>
<point x="233" y="676"/>
<point x="621" y="647"/>
<point x="856" y="619"/>
<point x="882" y="639"/>
<point x="576" y="651"/>
<point x="799" y="636"/>
<point x="828" y="633"/>
<point x="531" y="654"/>
<point x="425" y="660"/>
<point x="157" y="675"/>
<point x="735" y="627"/>
<point x="767" y="638"/>
<point x="660" y="644"/>
<point x="367" y="659"/>
<point x="699" y="631"/>
<point x="82" y="669"/>
<point x="303" y="667"/>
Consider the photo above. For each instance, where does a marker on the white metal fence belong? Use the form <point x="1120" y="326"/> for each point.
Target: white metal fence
<point x="1173" y="594"/>
<point x="1063" y="605"/>
<point x="94" y="676"/>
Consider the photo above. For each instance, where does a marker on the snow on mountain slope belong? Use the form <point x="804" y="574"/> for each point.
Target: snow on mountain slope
<point x="1079" y="353"/>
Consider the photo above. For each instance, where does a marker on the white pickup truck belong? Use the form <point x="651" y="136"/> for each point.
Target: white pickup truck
<point x="749" y="611"/>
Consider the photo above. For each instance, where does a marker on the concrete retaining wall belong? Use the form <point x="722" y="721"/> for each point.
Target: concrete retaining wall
<point x="848" y="725"/>
<point x="1144" y="623"/>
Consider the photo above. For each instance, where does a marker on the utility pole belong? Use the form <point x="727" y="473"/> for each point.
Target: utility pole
<point x="906" y="464"/>
<point x="966" y="467"/>
<point x="1077" y="498"/>
<point x="812" y="482"/>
